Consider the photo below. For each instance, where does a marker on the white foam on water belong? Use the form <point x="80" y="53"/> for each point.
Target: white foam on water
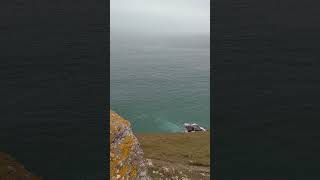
<point x="167" y="125"/>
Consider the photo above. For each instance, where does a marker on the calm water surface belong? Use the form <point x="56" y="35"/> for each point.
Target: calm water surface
<point x="160" y="83"/>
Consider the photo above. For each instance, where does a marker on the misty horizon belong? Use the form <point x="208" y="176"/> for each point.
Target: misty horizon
<point x="160" y="18"/>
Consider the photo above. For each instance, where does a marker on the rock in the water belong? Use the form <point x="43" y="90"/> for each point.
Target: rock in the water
<point x="126" y="156"/>
<point x="193" y="127"/>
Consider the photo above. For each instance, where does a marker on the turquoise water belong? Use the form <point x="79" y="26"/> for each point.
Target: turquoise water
<point x="160" y="83"/>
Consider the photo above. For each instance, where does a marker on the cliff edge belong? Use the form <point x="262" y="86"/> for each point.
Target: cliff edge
<point x="126" y="156"/>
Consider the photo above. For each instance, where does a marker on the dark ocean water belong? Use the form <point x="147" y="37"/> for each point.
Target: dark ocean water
<point x="159" y="83"/>
<point x="53" y="87"/>
<point x="266" y="93"/>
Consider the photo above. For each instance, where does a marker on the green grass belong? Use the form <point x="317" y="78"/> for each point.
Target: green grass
<point x="184" y="148"/>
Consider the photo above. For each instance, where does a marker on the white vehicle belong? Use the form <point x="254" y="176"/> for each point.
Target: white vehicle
<point x="193" y="127"/>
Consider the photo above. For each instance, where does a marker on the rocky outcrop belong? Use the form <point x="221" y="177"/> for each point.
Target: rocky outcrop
<point x="12" y="170"/>
<point x="126" y="156"/>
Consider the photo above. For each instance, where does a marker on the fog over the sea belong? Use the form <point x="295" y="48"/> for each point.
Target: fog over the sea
<point x="160" y="17"/>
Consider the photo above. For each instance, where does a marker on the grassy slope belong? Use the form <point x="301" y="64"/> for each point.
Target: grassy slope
<point x="186" y="152"/>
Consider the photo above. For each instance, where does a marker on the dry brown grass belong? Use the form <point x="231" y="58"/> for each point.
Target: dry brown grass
<point x="184" y="154"/>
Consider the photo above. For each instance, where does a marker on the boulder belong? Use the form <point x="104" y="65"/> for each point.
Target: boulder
<point x="126" y="156"/>
<point x="192" y="127"/>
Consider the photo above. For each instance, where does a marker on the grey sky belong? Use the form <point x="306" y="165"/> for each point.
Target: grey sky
<point x="160" y="17"/>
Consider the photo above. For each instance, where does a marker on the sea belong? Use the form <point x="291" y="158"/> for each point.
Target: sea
<point x="159" y="83"/>
<point x="266" y="87"/>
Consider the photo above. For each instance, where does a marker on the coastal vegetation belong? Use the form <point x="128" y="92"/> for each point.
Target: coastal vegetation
<point x="177" y="155"/>
<point x="157" y="155"/>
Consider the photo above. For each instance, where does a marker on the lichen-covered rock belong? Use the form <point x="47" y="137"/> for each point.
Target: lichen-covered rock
<point x="126" y="156"/>
<point x="12" y="170"/>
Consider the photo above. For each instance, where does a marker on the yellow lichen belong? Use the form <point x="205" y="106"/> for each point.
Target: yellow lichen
<point x="120" y="152"/>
